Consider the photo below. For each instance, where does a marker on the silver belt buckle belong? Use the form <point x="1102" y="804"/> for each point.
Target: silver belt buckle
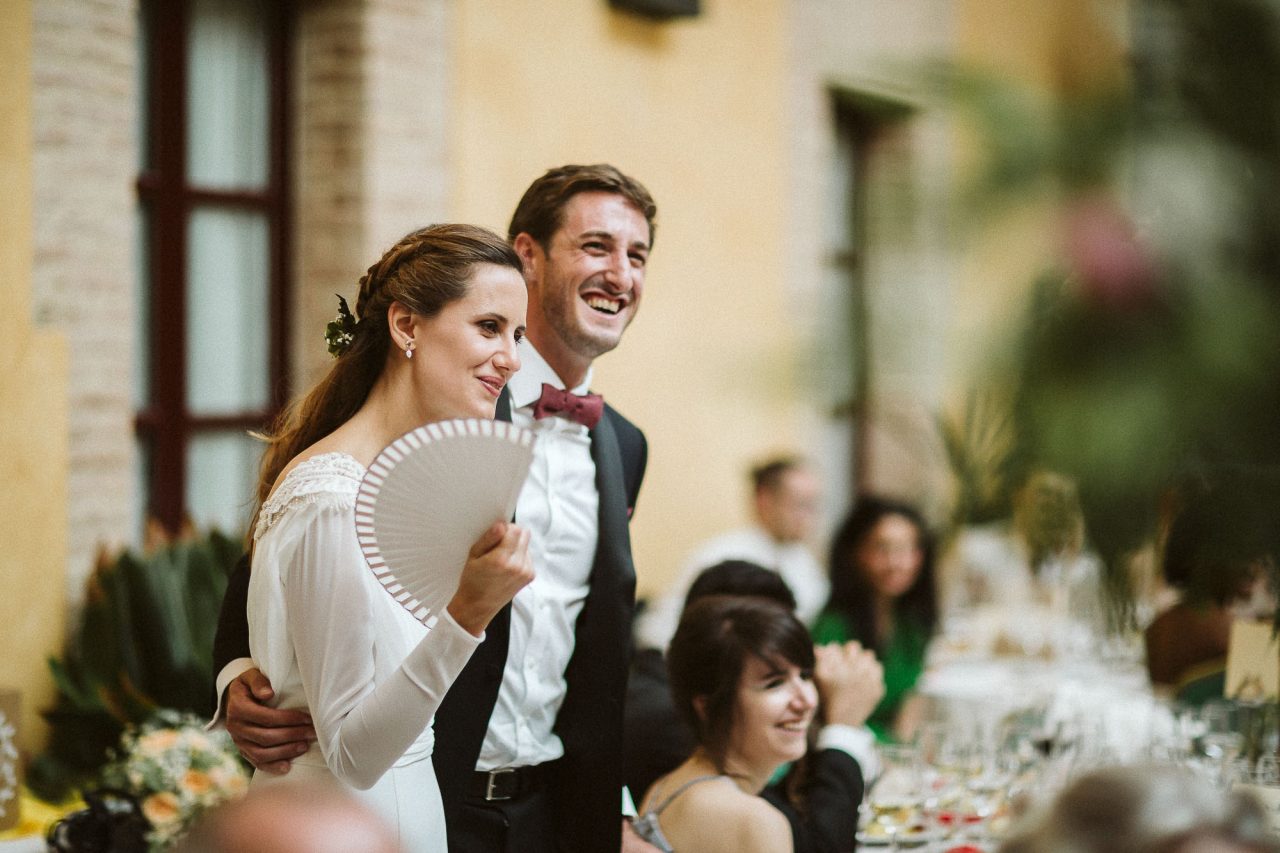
<point x="489" y="795"/>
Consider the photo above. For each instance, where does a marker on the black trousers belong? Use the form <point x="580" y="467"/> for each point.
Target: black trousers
<point x="522" y="825"/>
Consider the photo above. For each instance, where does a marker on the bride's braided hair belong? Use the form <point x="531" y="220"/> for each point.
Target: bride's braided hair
<point x="425" y="271"/>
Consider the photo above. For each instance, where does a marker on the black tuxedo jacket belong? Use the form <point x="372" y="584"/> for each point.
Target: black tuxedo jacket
<point x="588" y="789"/>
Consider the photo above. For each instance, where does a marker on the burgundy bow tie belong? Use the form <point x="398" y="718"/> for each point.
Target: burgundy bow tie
<point x="586" y="409"/>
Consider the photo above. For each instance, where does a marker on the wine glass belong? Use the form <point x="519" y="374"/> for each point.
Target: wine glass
<point x="896" y="796"/>
<point x="944" y="758"/>
<point x="1221" y="742"/>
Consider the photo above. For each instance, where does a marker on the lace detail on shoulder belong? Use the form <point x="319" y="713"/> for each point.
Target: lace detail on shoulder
<point x="330" y="478"/>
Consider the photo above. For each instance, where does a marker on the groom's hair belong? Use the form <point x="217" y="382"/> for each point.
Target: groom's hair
<point x="540" y="212"/>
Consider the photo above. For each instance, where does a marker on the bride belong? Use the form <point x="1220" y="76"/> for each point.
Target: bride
<point x="440" y="316"/>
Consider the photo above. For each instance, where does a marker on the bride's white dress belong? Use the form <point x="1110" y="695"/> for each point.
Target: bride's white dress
<point x="333" y="641"/>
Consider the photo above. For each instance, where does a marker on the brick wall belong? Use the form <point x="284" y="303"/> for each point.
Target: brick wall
<point x="369" y="153"/>
<point x="84" y="124"/>
<point x="368" y="109"/>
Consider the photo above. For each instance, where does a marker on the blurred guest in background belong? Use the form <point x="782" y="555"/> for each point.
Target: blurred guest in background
<point x="883" y="595"/>
<point x="1145" y="810"/>
<point x="742" y="677"/>
<point x="823" y="817"/>
<point x="785" y="495"/>
<point x="1036" y="557"/>
<point x="1217" y="556"/>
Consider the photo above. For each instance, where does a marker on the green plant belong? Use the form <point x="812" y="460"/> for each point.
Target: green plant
<point x="979" y="442"/>
<point x="1147" y="353"/>
<point x="144" y="642"/>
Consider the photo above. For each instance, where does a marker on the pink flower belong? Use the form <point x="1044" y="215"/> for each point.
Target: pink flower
<point x="1104" y="253"/>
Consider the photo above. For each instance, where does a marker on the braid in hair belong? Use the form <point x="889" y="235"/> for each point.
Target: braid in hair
<point x="425" y="271"/>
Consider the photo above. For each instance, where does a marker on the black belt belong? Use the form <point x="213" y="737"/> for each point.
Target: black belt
<point x="510" y="783"/>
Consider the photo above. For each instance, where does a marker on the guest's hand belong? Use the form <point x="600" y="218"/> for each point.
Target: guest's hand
<point x="497" y="568"/>
<point x="270" y="738"/>
<point x="850" y="683"/>
<point x="633" y="843"/>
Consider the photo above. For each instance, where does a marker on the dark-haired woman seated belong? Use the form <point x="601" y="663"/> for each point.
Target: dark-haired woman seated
<point x="1216" y="557"/>
<point x="742" y="677"/>
<point x="883" y="596"/>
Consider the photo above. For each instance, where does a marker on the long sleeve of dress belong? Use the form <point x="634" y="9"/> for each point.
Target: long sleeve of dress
<point x="372" y="676"/>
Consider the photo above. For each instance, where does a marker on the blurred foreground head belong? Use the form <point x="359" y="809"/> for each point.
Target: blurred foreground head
<point x="291" y="818"/>
<point x="1154" y="809"/>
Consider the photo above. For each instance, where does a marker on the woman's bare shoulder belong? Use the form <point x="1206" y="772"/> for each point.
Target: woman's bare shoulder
<point x="720" y="816"/>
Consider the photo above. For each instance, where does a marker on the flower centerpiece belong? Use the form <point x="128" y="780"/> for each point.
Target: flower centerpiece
<point x="176" y="771"/>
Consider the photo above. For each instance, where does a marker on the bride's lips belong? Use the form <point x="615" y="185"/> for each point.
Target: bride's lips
<point x="493" y="384"/>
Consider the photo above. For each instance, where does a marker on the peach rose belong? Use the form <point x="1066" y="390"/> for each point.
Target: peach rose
<point x="158" y="741"/>
<point x="196" y="782"/>
<point x="161" y="808"/>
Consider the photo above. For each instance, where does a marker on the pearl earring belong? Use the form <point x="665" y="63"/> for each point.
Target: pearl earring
<point x="408" y="349"/>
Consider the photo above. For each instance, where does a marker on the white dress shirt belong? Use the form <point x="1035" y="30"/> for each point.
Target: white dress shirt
<point x="792" y="560"/>
<point x="559" y="507"/>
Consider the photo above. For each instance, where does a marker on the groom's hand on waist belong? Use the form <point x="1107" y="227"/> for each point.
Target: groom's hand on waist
<point x="269" y="738"/>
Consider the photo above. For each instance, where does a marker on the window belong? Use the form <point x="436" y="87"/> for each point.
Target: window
<point x="870" y="218"/>
<point x="212" y="254"/>
<point x="844" y="255"/>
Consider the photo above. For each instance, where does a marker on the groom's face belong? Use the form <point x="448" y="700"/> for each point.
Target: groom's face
<point x="585" y="284"/>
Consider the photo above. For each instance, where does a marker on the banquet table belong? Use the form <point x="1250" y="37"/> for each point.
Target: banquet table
<point x="1082" y="701"/>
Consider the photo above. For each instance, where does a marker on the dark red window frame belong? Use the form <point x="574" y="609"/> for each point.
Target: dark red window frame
<point x="165" y="421"/>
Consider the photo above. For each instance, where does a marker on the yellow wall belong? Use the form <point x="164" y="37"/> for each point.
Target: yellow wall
<point x="33" y="431"/>
<point x="694" y="109"/>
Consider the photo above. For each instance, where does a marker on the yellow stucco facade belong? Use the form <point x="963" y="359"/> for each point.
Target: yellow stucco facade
<point x="33" y="432"/>
<point x="705" y="112"/>
<point x="726" y="117"/>
<point x="694" y="109"/>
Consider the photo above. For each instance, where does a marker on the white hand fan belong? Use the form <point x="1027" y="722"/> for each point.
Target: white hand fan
<point x="427" y="498"/>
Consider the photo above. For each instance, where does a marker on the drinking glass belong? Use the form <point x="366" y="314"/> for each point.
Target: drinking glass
<point x="896" y="797"/>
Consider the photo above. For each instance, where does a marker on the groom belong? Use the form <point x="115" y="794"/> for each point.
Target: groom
<point x="529" y="738"/>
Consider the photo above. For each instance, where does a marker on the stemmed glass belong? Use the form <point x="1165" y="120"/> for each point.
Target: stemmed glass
<point x="1221" y="742"/>
<point x="896" y="797"/>
<point x="947" y="763"/>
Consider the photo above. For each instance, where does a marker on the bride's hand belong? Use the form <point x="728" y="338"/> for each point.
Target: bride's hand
<point x="497" y="568"/>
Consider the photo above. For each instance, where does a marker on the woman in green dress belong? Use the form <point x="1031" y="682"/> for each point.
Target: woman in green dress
<point x="883" y="596"/>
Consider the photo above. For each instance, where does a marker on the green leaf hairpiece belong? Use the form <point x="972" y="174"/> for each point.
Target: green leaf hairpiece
<point x="341" y="330"/>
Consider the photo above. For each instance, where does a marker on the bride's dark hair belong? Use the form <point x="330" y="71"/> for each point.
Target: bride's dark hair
<point x="425" y="271"/>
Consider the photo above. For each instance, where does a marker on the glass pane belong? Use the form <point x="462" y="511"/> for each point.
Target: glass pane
<point x="228" y="104"/>
<point x="142" y="307"/>
<point x="222" y="470"/>
<point x="228" y="308"/>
